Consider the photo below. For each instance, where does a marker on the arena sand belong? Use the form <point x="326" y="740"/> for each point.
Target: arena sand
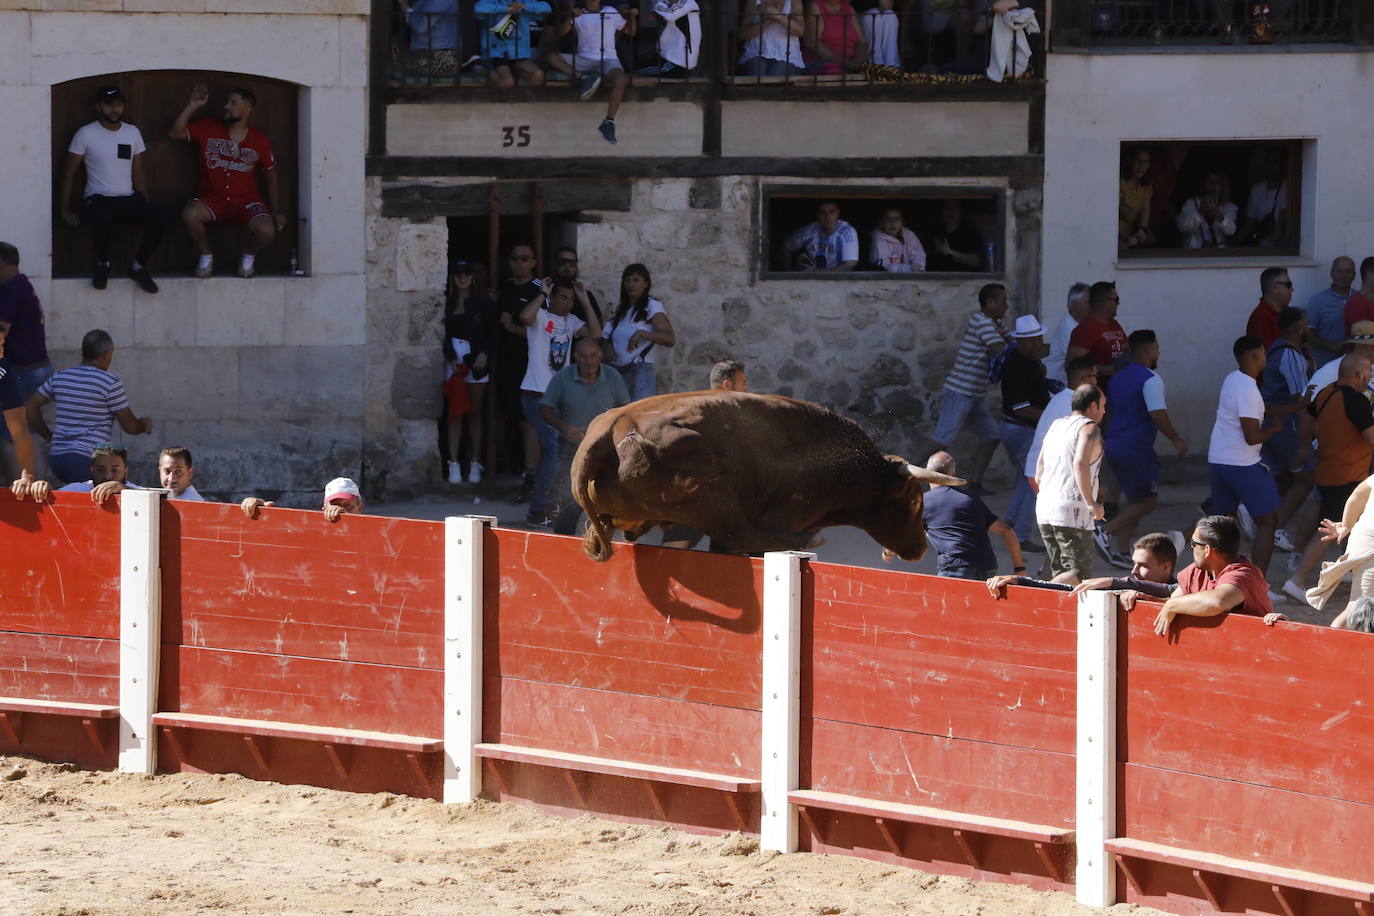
<point x="79" y="842"/>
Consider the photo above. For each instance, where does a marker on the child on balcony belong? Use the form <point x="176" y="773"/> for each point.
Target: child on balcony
<point x="506" y="41"/>
<point x="595" y="58"/>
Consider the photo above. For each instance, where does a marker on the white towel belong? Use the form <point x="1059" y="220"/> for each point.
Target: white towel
<point x="674" y="45"/>
<point x="1332" y="573"/>
<point x="1010" y="50"/>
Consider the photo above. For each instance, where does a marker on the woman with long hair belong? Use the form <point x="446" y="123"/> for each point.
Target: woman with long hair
<point x="470" y="326"/>
<point x="639" y="327"/>
<point x="1137" y="192"/>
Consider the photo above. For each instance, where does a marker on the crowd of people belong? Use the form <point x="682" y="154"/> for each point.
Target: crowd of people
<point x="831" y="243"/>
<point x="1293" y="419"/>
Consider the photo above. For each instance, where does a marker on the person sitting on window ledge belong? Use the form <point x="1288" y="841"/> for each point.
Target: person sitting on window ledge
<point x="1209" y="220"/>
<point x="772" y="36"/>
<point x="1137" y="192"/>
<point x="506" y="43"/>
<point x="895" y="248"/>
<point x="834" y="36"/>
<point x="596" y="28"/>
<point x="955" y="245"/>
<point x="1266" y="212"/>
<point x="829" y="243"/>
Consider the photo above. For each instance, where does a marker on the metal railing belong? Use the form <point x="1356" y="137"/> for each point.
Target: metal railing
<point x="1112" y="23"/>
<point x="478" y="42"/>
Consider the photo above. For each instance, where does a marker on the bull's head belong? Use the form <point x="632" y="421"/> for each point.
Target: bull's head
<point x="900" y="527"/>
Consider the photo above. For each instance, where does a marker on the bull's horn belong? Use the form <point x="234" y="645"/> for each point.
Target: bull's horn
<point x="934" y="476"/>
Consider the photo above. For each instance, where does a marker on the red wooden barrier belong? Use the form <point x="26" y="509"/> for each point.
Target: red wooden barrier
<point x="59" y="624"/>
<point x="924" y="691"/>
<point x="1247" y="741"/>
<point x="651" y="658"/>
<point x="294" y="619"/>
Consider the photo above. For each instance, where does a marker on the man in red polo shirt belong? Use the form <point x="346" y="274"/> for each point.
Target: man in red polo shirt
<point x="1217" y="581"/>
<point x="230" y="152"/>
<point x="1098" y="336"/>
<point x="1360" y="306"/>
<point x="1276" y="292"/>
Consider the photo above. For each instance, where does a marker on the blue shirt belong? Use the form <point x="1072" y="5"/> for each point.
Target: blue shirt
<point x="1326" y="314"/>
<point x="957" y="526"/>
<point x="1131" y="424"/>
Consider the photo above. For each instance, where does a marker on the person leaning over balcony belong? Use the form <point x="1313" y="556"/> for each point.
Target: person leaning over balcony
<point x="88" y="399"/>
<point x="834" y="37"/>
<point x="639" y="324"/>
<point x="1209" y="220"/>
<point x="772" y="35"/>
<point x="893" y="247"/>
<point x="1137" y="191"/>
<point x="596" y="59"/>
<point x="506" y="44"/>
<point x="1153" y="559"/>
<point x="1218" y="580"/>
<point x="1326" y="312"/>
<point x="829" y="243"/>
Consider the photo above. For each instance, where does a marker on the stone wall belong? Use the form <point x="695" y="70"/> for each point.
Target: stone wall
<point x="872" y="349"/>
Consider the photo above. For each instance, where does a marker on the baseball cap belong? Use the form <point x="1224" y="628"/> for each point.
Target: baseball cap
<point x="341" y="488"/>
<point x="1028" y="326"/>
<point x="461" y="266"/>
<point x="1361" y="332"/>
<point x="108" y="93"/>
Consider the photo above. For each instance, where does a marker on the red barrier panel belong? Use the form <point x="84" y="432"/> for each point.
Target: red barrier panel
<point x="290" y="618"/>
<point x="922" y="690"/>
<point x="651" y="658"/>
<point x="1248" y="741"/>
<point x="59" y="622"/>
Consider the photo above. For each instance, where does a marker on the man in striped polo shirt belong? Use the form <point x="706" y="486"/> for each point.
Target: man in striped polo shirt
<point x="88" y="397"/>
<point x="963" y="401"/>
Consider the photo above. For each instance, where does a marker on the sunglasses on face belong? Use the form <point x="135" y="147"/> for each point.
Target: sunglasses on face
<point x="522" y="257"/>
<point x="567" y="260"/>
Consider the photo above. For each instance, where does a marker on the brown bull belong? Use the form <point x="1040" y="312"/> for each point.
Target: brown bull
<point x="756" y="472"/>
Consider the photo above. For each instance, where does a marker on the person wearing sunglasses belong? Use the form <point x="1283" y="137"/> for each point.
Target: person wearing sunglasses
<point x="1218" y="581"/>
<point x="1276" y="295"/>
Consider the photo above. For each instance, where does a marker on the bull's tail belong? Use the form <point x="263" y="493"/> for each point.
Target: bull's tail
<point x="596" y="541"/>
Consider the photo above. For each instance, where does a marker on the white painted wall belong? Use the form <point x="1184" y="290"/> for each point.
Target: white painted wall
<point x="180" y="351"/>
<point x="1096" y="101"/>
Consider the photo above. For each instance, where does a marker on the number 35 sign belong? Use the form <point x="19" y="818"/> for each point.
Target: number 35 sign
<point x="515" y="135"/>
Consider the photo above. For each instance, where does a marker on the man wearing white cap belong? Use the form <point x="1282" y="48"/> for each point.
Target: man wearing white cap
<point x="341" y="497"/>
<point x="1025" y="392"/>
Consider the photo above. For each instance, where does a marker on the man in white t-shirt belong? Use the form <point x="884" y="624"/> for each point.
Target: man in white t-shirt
<point x="595" y="58"/>
<point x="550" y="329"/>
<point x="175" y="472"/>
<point x="1059" y="343"/>
<point x="112" y="152"/>
<point x="1238" y="476"/>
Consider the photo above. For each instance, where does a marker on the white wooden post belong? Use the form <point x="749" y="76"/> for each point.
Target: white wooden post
<point x="463" y="538"/>
<point x="1095" y="817"/>
<point x="781" y="697"/>
<point x="140" y="605"/>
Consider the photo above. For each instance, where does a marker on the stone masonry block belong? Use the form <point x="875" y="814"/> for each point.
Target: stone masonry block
<point x="670" y="194"/>
<point x="421" y="256"/>
<point x="326" y="311"/>
<point x="73" y="308"/>
<point x="180" y="383"/>
<point x="167" y="319"/>
<point x="232" y="312"/>
<point x="300" y="382"/>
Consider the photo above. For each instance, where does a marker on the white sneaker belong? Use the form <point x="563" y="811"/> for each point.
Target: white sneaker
<point x="1247" y="522"/>
<point x="246" y="265"/>
<point x="475" y="472"/>
<point x="205" y="266"/>
<point x="455" y="473"/>
<point x="1290" y="565"/>
<point x="1282" y="541"/>
<point x="1295" y="591"/>
<point x="1275" y="598"/>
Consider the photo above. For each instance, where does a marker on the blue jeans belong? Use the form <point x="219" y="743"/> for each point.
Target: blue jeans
<point x="547" y="472"/>
<point x="1021" y="511"/>
<point x="640" y="379"/>
<point x="966" y="572"/>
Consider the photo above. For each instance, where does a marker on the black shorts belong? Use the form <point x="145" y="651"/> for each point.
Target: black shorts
<point x="1333" y="499"/>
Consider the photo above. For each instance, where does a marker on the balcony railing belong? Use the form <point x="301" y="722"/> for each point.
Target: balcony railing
<point x="477" y="43"/>
<point x="1154" y="23"/>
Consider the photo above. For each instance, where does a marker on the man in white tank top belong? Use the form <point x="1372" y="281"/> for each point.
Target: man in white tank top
<point x="1068" y="507"/>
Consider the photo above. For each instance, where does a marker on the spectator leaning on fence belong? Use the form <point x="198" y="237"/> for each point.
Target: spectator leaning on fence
<point x="175" y="472"/>
<point x="88" y="399"/>
<point x="109" y="475"/>
<point x="12" y="407"/>
<point x="341" y="497"/>
<point x="1217" y="581"/>
<point x="1153" y="560"/>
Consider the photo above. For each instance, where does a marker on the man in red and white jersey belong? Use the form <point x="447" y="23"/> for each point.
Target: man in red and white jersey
<point x="231" y="151"/>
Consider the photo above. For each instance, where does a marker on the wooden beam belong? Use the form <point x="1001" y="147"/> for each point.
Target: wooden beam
<point x="889" y="832"/>
<point x="1050" y="858"/>
<point x="174" y="739"/>
<point x="335" y="754"/>
<point x="812" y="824"/>
<point x="251" y="741"/>
<point x="92" y="728"/>
<point x="732" y="802"/>
<point x="1133" y="871"/>
<point x="13" y="724"/>
<point x="1211" y="886"/>
<point x="969" y="843"/>
<point x="680" y="167"/>
<point x="1287" y="899"/>
<point x="655" y="798"/>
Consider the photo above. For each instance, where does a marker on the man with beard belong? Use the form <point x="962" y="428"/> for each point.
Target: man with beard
<point x="565" y="268"/>
<point x="112" y="152"/>
<point x="230" y="152"/>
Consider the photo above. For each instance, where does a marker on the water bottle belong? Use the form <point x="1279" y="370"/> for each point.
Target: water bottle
<point x="294" y="265"/>
<point x="990" y="257"/>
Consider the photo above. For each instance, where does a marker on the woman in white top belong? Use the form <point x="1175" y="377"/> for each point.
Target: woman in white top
<point x="772" y="36"/>
<point x="637" y="329"/>
<point x="1209" y="220"/>
<point x="1357" y="524"/>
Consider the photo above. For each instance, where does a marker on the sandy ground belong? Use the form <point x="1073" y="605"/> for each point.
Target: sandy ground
<point x="78" y="842"/>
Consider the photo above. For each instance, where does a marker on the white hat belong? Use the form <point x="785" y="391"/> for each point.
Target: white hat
<point x="341" y="488"/>
<point x="1028" y="326"/>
